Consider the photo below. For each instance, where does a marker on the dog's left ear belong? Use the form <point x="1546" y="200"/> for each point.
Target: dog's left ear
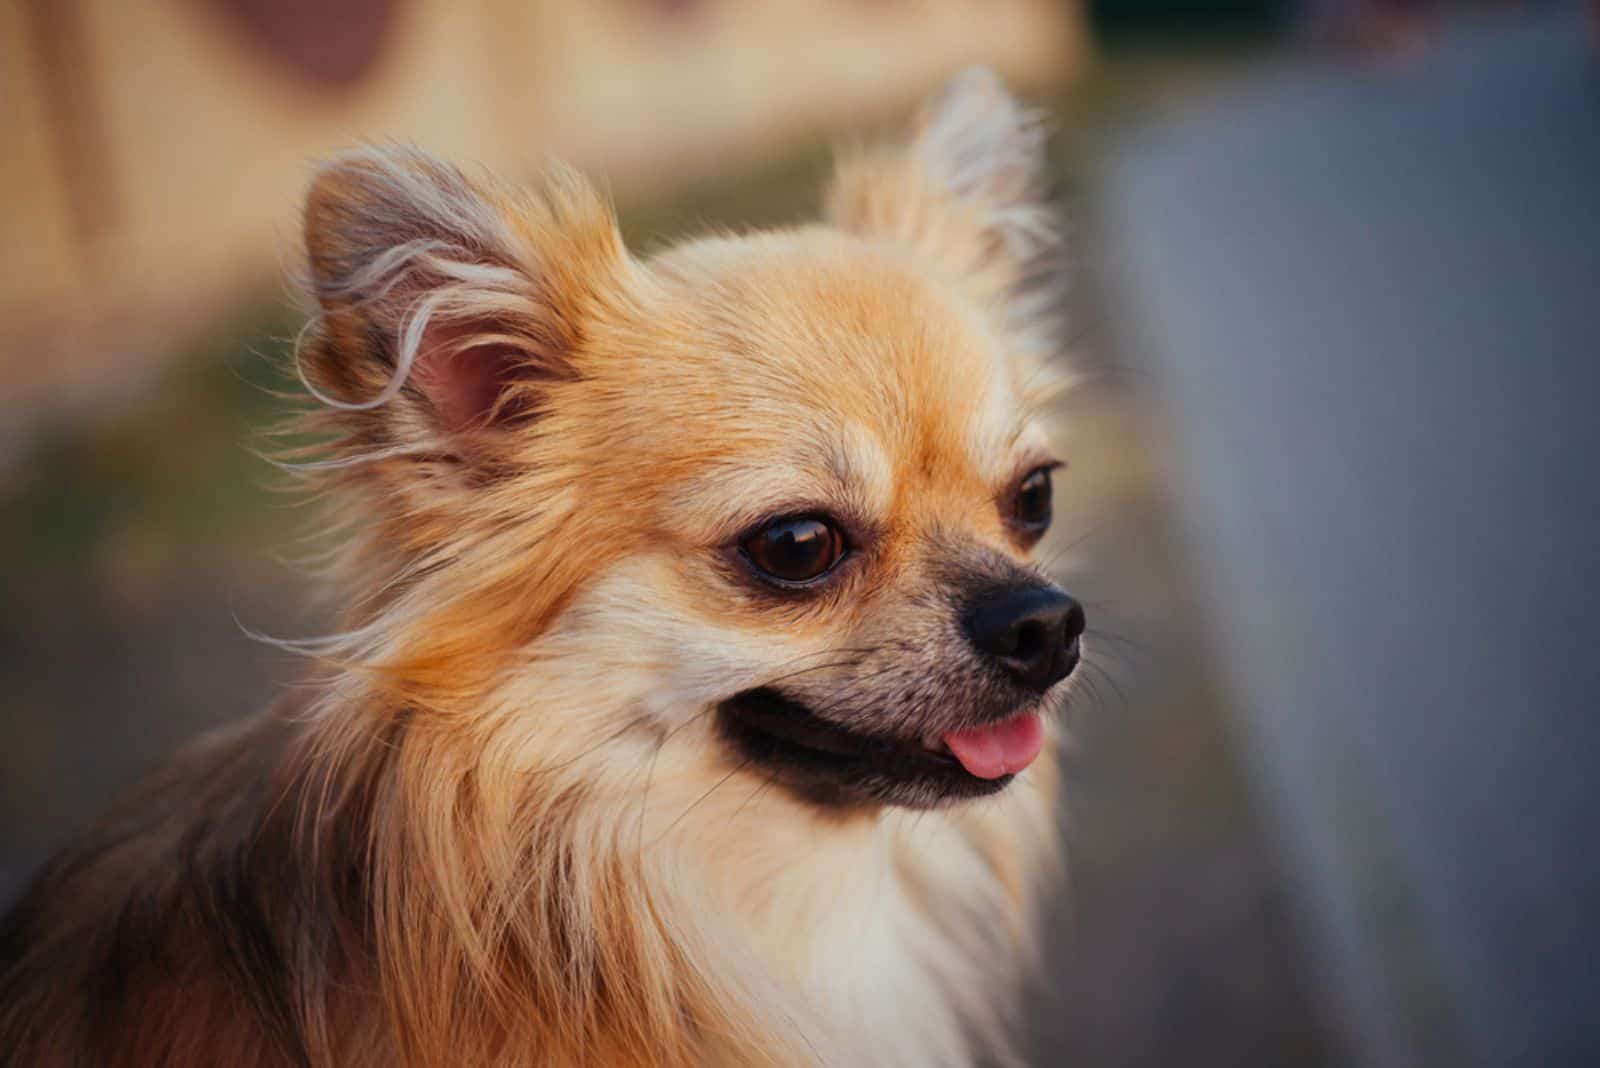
<point x="964" y="190"/>
<point x="449" y="304"/>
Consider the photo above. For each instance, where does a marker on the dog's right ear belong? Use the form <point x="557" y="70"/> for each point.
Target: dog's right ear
<point x="448" y="304"/>
<point x="963" y="190"/>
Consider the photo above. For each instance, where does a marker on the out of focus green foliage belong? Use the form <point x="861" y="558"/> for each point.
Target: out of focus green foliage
<point x="173" y="472"/>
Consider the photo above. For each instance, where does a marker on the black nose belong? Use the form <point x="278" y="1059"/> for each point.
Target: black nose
<point x="1031" y="632"/>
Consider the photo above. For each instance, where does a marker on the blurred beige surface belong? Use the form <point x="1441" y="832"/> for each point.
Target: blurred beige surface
<point x="158" y="150"/>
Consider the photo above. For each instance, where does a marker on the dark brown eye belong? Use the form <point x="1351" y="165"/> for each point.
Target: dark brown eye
<point x="794" y="549"/>
<point x="1031" y="507"/>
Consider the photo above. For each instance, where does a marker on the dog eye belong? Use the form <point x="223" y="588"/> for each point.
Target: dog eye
<point x="794" y="549"/>
<point x="1031" y="506"/>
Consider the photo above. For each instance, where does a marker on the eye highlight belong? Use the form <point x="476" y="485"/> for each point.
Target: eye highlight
<point x="1031" y="504"/>
<point x="794" y="550"/>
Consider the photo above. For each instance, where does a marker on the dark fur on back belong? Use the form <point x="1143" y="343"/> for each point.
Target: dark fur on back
<point x="194" y="897"/>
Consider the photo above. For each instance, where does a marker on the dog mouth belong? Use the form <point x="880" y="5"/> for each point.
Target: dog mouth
<point x="829" y="763"/>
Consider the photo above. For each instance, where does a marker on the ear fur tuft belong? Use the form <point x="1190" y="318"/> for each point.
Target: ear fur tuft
<point x="964" y="189"/>
<point x="982" y="146"/>
<point x="447" y="295"/>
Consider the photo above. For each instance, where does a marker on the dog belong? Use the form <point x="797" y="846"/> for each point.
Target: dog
<point x="695" y="688"/>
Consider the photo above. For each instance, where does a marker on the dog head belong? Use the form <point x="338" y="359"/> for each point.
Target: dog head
<point x="783" y="487"/>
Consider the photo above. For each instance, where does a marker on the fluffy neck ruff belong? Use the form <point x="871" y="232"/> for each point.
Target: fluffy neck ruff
<point x="632" y="897"/>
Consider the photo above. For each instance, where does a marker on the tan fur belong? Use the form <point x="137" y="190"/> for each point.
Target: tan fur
<point x="506" y="806"/>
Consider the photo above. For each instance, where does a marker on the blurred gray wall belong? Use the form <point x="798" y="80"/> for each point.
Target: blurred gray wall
<point x="1369" y="297"/>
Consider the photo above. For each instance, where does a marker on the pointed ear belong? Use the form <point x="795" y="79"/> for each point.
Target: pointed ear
<point x="447" y="303"/>
<point x="963" y="189"/>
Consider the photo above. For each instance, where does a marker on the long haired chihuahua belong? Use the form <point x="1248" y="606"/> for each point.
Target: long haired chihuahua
<point x="692" y="701"/>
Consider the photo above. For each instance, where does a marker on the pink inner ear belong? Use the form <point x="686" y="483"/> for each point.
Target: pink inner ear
<point x="465" y="386"/>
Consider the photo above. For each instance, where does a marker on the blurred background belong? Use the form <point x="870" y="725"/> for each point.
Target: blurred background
<point x="1332" y="279"/>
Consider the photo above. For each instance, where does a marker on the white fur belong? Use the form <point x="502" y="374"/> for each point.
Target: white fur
<point x="889" y="940"/>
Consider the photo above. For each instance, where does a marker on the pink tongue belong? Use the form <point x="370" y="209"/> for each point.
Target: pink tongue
<point x="999" y="748"/>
